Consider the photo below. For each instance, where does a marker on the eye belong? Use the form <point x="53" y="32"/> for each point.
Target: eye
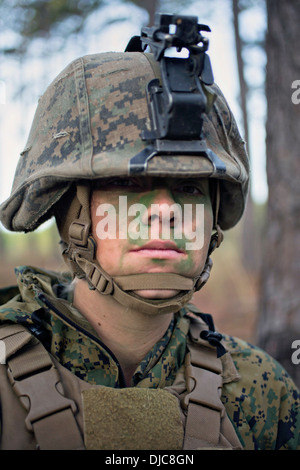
<point x="192" y="189"/>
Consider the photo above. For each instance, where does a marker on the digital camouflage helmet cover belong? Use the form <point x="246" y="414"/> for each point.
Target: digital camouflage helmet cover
<point x="123" y="114"/>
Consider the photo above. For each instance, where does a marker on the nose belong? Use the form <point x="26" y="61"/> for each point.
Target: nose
<point x="162" y="212"/>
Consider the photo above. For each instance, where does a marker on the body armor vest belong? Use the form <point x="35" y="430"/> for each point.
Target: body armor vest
<point x="62" y="411"/>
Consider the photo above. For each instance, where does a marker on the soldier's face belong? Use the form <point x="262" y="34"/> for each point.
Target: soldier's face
<point x="149" y="225"/>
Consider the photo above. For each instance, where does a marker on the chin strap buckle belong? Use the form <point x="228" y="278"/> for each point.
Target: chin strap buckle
<point x="79" y="233"/>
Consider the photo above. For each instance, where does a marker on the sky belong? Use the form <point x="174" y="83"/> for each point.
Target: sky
<point x="16" y="113"/>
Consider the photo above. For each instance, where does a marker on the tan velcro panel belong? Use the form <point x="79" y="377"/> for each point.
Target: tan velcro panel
<point x="131" y="419"/>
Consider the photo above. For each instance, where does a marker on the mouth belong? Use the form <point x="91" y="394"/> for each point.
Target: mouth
<point x="159" y="249"/>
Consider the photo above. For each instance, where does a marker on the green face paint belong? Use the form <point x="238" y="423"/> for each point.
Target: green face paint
<point x="160" y="209"/>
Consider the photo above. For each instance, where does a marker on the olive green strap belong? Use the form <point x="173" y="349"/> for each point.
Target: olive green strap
<point x="154" y="281"/>
<point x="36" y="382"/>
<point x="207" y="424"/>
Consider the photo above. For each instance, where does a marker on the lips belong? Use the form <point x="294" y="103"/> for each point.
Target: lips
<point x="159" y="249"/>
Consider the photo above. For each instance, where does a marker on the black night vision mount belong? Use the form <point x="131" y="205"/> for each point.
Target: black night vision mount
<point x="177" y="102"/>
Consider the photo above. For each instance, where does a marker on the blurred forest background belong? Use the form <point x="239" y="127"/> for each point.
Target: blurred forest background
<point x="253" y="291"/>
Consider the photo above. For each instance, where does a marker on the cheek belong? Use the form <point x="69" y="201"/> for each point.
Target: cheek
<point x="108" y="255"/>
<point x="197" y="255"/>
<point x="198" y="223"/>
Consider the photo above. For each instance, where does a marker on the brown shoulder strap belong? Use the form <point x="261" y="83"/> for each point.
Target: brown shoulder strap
<point x="34" y="377"/>
<point x="207" y="423"/>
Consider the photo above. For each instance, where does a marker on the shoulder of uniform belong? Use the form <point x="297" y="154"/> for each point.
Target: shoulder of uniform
<point x="251" y="361"/>
<point x="265" y="397"/>
<point x="12" y="309"/>
<point x="15" y="305"/>
<point x="244" y="350"/>
<point x="258" y="368"/>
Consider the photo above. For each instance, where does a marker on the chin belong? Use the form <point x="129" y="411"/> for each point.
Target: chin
<point x="156" y="294"/>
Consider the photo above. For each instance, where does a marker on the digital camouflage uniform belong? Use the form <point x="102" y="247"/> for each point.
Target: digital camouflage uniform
<point x="87" y="127"/>
<point x="263" y="404"/>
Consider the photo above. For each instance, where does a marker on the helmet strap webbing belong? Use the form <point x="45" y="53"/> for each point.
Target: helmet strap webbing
<point x="80" y="256"/>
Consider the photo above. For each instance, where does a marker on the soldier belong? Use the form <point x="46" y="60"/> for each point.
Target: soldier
<point x="141" y="163"/>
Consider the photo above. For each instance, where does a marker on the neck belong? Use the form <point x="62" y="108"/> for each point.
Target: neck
<point x="128" y="333"/>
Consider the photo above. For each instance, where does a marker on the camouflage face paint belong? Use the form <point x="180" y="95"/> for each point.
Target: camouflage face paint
<point x="156" y="209"/>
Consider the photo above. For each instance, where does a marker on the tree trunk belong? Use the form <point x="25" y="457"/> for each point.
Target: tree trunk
<point x="250" y="251"/>
<point x="279" y="323"/>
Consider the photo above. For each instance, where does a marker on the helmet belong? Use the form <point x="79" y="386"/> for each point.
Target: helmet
<point x="88" y="126"/>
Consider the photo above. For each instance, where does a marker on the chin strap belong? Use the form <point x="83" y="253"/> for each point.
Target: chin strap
<point x="123" y="288"/>
<point x="79" y="255"/>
